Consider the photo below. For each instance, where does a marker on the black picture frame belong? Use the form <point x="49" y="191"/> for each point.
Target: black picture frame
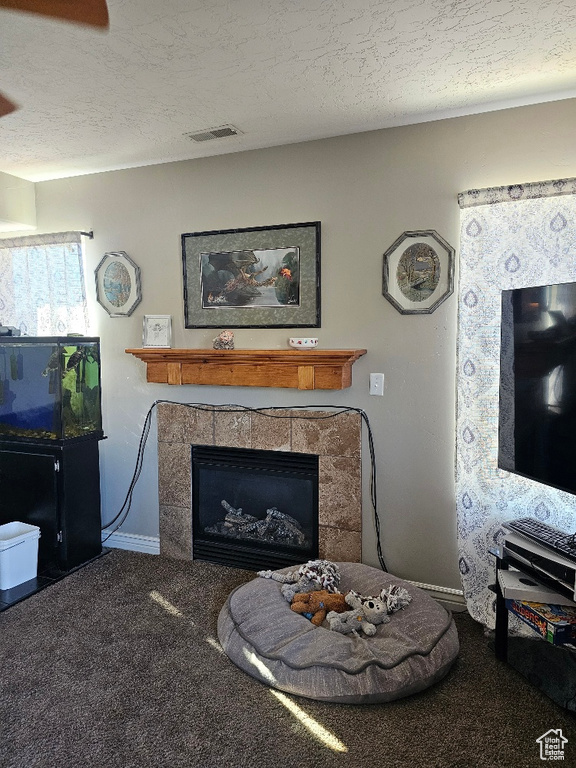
<point x="255" y="277"/>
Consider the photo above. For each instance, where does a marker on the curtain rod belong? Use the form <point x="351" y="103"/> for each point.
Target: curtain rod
<point x="513" y="192"/>
<point x="89" y="235"/>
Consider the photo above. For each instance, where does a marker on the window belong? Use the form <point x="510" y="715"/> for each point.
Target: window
<point x="42" y="289"/>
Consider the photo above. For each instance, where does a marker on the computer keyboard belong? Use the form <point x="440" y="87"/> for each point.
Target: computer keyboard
<point x="546" y="535"/>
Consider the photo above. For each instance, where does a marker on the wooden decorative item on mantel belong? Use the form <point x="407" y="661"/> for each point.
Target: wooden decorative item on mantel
<point x="297" y="369"/>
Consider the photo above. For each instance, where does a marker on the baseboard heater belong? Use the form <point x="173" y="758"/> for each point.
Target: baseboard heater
<point x="456" y="594"/>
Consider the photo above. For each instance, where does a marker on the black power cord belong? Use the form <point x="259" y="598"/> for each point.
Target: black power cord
<point x="233" y="408"/>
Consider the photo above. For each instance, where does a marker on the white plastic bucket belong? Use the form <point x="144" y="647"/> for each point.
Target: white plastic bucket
<point x="18" y="553"/>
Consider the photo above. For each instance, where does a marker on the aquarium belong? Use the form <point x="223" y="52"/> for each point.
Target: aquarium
<point x="50" y="388"/>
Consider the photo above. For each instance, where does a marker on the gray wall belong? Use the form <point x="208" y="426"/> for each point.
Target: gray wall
<point x="366" y="189"/>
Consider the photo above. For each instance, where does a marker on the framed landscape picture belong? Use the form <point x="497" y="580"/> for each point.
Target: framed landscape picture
<point x="258" y="277"/>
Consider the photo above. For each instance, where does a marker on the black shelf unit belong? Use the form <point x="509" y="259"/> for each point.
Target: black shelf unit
<point x="57" y="488"/>
<point x="550" y="668"/>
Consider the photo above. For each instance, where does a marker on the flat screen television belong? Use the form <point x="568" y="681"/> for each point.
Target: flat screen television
<point x="537" y="413"/>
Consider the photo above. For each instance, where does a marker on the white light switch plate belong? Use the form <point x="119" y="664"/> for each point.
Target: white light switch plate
<point x="376" y="384"/>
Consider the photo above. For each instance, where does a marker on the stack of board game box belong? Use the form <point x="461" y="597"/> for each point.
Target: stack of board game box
<point x="555" y="623"/>
<point x="547" y="612"/>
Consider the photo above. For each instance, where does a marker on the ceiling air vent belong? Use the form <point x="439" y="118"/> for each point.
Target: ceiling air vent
<point x="214" y="133"/>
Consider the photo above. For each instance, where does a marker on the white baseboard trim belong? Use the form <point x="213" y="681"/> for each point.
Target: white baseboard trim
<point x="132" y="541"/>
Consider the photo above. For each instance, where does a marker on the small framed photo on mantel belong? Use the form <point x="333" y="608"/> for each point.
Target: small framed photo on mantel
<point x="157" y="331"/>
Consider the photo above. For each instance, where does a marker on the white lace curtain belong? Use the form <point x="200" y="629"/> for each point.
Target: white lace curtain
<point x="42" y="289"/>
<point x="511" y="237"/>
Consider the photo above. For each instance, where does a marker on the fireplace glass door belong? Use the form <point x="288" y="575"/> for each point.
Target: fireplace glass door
<point x="254" y="509"/>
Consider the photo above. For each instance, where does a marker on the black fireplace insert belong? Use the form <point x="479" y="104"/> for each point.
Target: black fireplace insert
<point x="254" y="509"/>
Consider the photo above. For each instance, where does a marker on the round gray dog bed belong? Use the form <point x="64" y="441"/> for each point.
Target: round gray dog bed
<point x="283" y="649"/>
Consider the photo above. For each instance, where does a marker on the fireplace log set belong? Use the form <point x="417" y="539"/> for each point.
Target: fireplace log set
<point x="276" y="528"/>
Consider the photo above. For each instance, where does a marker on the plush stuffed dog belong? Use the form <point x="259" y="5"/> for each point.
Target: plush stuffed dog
<point x="316" y="605"/>
<point x="312" y="576"/>
<point x="368" y="612"/>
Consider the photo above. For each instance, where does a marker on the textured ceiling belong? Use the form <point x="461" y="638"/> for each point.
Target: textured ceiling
<point x="280" y="71"/>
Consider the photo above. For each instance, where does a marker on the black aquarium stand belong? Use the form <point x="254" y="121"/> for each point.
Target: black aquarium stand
<point x="55" y="486"/>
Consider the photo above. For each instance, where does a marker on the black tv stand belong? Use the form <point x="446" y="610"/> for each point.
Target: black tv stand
<point x="552" y="668"/>
<point x="504" y="562"/>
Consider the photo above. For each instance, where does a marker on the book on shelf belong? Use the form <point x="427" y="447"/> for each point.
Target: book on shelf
<point x="555" y="623"/>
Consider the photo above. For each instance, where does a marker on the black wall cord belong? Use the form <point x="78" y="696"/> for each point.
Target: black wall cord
<point x="233" y="408"/>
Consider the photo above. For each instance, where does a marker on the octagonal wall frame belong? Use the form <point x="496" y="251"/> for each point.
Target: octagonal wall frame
<point x="118" y="287"/>
<point x="418" y="272"/>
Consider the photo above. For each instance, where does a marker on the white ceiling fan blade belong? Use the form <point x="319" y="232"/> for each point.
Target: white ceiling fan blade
<point x="91" y="12"/>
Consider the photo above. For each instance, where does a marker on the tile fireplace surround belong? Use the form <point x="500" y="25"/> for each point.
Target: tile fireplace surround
<point x="336" y="440"/>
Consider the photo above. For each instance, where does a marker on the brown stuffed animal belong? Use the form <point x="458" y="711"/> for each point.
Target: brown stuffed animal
<point x="315" y="605"/>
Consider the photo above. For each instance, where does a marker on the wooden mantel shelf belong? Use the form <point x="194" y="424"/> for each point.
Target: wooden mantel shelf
<point x="295" y="368"/>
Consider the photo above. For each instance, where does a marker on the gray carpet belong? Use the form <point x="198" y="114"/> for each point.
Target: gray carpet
<point x="117" y="666"/>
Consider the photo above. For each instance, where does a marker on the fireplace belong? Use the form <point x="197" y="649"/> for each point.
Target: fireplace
<point x="254" y="509"/>
<point x="333" y="436"/>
